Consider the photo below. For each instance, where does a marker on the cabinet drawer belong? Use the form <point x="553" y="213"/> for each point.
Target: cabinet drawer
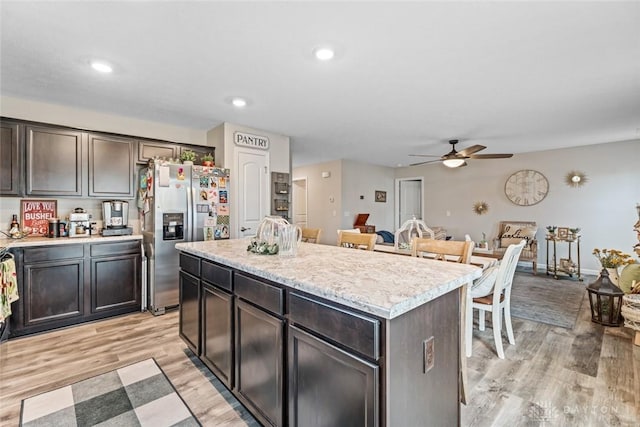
<point x="216" y="275"/>
<point x="352" y="330"/>
<point x="120" y="248"/>
<point x="190" y="264"/>
<point x="52" y="253"/>
<point x="266" y="296"/>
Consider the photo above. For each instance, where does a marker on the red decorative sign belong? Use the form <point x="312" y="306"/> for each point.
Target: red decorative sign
<point x="35" y="214"/>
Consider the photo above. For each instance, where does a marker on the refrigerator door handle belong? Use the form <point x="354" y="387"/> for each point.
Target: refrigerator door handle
<point x="149" y="251"/>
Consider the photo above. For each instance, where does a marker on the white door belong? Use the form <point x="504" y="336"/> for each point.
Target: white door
<point x="299" y="196"/>
<point x="253" y="190"/>
<point x="409" y="201"/>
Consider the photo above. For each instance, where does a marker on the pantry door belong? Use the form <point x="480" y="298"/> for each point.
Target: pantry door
<point x="253" y="190"/>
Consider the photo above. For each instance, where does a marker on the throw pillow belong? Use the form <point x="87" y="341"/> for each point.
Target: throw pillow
<point x="513" y="233"/>
<point x="630" y="273"/>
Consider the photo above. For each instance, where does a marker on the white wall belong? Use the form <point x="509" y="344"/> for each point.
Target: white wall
<point x="324" y="196"/>
<point x="604" y="207"/>
<point x="221" y="137"/>
<point x="363" y="179"/>
<point x="11" y="205"/>
<point x="347" y="182"/>
<point x="36" y="111"/>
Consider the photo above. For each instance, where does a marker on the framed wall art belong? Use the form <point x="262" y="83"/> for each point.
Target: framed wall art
<point x="35" y="214"/>
<point x="381" y="196"/>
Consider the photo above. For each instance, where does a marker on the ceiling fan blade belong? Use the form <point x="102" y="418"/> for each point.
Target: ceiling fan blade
<point x="490" y="156"/>
<point x="423" y="155"/>
<point x="470" y="150"/>
<point x="424" y="163"/>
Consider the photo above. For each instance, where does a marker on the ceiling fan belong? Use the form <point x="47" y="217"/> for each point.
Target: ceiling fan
<point x="456" y="159"/>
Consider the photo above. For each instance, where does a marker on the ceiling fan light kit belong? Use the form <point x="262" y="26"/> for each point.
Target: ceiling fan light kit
<point x="453" y="163"/>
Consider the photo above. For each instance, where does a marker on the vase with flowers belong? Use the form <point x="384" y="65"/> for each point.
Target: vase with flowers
<point x="611" y="260"/>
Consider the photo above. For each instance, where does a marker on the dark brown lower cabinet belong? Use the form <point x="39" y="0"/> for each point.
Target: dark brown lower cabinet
<point x="53" y="292"/>
<point x="329" y="386"/>
<point x="300" y="360"/>
<point x="189" y="326"/>
<point x="62" y="285"/>
<point x="217" y="332"/>
<point x="115" y="277"/>
<point x="260" y="362"/>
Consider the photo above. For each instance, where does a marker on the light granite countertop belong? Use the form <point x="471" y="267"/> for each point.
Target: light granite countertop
<point x="46" y="241"/>
<point x="385" y="285"/>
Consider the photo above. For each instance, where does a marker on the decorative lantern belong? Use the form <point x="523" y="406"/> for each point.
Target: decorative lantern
<point x="605" y="300"/>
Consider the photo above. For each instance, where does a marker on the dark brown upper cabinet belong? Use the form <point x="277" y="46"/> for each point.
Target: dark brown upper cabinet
<point x="148" y="149"/>
<point x="11" y="155"/>
<point x="111" y="166"/>
<point x="54" y="161"/>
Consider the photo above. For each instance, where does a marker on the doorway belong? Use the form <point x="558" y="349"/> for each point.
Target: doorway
<point x="409" y="200"/>
<point x="300" y="205"/>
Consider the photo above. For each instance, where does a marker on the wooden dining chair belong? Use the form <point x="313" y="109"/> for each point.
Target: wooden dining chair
<point x="311" y="235"/>
<point x="454" y="251"/>
<point x="492" y="292"/>
<point x="445" y="250"/>
<point x="357" y="240"/>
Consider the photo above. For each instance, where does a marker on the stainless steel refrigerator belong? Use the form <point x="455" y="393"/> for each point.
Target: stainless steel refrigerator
<point x="179" y="203"/>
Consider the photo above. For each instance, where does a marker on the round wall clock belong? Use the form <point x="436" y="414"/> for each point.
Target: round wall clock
<point x="526" y="187"/>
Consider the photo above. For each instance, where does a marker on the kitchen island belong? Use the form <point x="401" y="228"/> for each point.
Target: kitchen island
<point x="332" y="336"/>
<point x="65" y="281"/>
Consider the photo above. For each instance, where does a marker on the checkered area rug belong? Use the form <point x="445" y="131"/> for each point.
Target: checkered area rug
<point x="135" y="395"/>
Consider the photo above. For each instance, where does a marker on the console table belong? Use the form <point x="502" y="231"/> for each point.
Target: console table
<point x="564" y="265"/>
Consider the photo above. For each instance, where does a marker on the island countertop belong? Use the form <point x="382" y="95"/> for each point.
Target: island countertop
<point x="382" y="284"/>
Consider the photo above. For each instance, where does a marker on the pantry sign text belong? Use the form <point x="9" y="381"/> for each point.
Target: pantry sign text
<point x="252" y="141"/>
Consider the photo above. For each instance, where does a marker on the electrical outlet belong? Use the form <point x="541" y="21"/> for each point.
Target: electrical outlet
<point x="428" y="356"/>
<point x="448" y="213"/>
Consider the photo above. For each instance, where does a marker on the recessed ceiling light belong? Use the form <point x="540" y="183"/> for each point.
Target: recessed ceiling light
<point x="102" y="67"/>
<point x="324" y="53"/>
<point x="239" y="102"/>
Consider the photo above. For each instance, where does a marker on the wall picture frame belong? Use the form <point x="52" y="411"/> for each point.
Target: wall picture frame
<point x="381" y="196"/>
<point x="35" y="214"/>
<point x="563" y="232"/>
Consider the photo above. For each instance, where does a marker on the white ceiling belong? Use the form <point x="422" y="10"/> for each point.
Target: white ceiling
<point x="516" y="77"/>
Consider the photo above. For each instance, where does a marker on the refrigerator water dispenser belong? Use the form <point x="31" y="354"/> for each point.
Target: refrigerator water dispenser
<point x="172" y="226"/>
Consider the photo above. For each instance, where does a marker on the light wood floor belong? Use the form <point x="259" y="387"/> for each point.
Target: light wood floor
<point x="588" y="376"/>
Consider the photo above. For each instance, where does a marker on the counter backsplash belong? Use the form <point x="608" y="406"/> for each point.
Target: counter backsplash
<point x="11" y="206"/>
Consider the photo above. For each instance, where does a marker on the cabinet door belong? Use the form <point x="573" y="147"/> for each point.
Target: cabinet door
<point x="115" y="284"/>
<point x="147" y="150"/>
<point x="53" y="292"/>
<point x="111" y="166"/>
<point x="189" y="329"/>
<point x="323" y="376"/>
<point x="54" y="161"/>
<point x="217" y="332"/>
<point x="10" y="159"/>
<point x="260" y="362"/>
